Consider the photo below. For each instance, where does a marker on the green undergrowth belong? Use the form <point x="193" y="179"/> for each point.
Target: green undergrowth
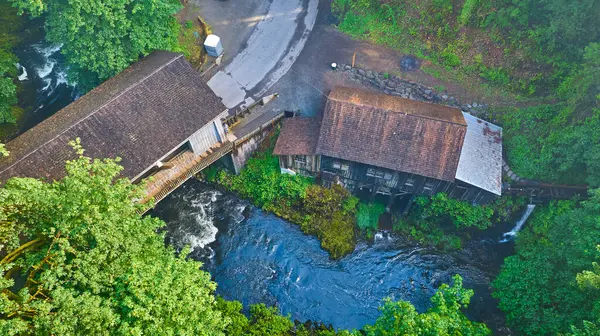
<point x="559" y="142"/>
<point x="328" y="213"/>
<point x="446" y="223"/>
<point x="367" y="217"/>
<point x="10" y="25"/>
<point x="543" y="288"/>
<point x="429" y="30"/>
<point x="190" y="43"/>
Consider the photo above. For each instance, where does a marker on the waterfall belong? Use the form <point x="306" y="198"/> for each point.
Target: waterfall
<point x="23" y="75"/>
<point x="509" y="235"/>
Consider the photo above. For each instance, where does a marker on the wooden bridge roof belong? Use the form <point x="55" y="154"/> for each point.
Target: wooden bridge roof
<point x="139" y="115"/>
<point x="392" y="132"/>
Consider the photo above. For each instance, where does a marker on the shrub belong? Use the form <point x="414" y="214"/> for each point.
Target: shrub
<point x="443" y="222"/>
<point x="367" y="216"/>
<point x="460" y="213"/>
<point x="328" y="213"/>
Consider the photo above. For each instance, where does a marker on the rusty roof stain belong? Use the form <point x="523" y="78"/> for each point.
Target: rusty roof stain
<point x="392" y="132"/>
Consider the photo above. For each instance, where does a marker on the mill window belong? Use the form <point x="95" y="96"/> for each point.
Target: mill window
<point x="374" y="172"/>
<point x="300" y="159"/>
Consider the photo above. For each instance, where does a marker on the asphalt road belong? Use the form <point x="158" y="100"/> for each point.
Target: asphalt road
<point x="277" y="35"/>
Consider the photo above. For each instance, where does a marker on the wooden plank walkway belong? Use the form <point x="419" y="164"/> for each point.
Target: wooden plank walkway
<point x="182" y="167"/>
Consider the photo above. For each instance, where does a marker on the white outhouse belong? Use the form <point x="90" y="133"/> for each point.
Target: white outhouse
<point x="213" y="46"/>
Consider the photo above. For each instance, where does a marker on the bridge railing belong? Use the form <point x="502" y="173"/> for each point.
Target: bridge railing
<point x="200" y="163"/>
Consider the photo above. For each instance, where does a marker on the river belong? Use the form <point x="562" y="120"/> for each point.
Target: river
<point x="43" y="77"/>
<point x="257" y="257"/>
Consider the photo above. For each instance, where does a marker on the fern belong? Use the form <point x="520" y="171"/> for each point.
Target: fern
<point x="467" y="11"/>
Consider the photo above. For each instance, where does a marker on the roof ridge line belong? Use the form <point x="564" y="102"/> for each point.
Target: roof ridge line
<point x="405" y="113"/>
<point x="93" y="112"/>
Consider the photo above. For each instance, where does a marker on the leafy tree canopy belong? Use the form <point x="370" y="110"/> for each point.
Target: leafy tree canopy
<point x="79" y="259"/>
<point x="102" y="37"/>
<point x="444" y="318"/>
<point x="9" y="25"/>
<point x="537" y="287"/>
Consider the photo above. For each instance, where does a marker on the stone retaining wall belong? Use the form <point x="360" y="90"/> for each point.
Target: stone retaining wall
<point x="396" y="86"/>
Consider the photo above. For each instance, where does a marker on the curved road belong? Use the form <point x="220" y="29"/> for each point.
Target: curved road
<point x="278" y="35"/>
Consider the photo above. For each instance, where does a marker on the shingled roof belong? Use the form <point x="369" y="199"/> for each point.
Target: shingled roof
<point x="298" y="136"/>
<point x="392" y="132"/>
<point x="139" y="115"/>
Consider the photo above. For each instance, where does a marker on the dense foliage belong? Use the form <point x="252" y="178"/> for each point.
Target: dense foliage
<point x="367" y="216"/>
<point x="10" y="24"/>
<point x="443" y="318"/>
<point x="91" y="264"/>
<point x="524" y="45"/>
<point x="537" y="287"/>
<point x="328" y="213"/>
<point x="560" y="142"/>
<point x="442" y="221"/>
<point x="262" y="321"/>
<point x="100" y="38"/>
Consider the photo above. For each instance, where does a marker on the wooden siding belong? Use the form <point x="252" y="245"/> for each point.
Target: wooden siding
<point x="210" y="134"/>
<point x="354" y="176"/>
<point x="307" y="165"/>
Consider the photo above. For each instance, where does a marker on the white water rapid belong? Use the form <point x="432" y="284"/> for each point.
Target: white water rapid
<point x="512" y="233"/>
<point x="23" y="75"/>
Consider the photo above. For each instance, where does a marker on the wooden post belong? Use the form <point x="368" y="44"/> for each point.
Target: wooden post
<point x="409" y="205"/>
<point x="391" y="200"/>
<point x="353" y="59"/>
<point x="373" y="193"/>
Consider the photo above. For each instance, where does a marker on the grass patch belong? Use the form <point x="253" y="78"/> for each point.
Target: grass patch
<point x="368" y="217"/>
<point x="434" y="31"/>
<point x="191" y="43"/>
<point x="445" y="223"/>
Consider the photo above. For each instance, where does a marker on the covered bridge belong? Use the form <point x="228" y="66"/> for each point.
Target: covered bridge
<point x="157" y="110"/>
<point x="394" y="146"/>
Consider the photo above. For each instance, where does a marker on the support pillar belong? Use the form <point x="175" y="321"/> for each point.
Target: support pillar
<point x="409" y="205"/>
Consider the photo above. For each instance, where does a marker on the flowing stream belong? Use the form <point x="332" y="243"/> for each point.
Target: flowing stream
<point x="44" y="78"/>
<point x="257" y="257"/>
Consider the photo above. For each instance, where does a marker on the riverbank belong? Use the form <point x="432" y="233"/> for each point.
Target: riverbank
<point x="340" y="220"/>
<point x="328" y="213"/>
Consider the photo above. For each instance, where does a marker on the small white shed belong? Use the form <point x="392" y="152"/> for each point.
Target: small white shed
<point x="213" y="46"/>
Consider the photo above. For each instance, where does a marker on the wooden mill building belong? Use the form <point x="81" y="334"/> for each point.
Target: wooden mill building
<point x="392" y="146"/>
<point x="158" y="116"/>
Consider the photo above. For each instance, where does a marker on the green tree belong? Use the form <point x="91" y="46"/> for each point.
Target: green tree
<point x="536" y="288"/>
<point x="444" y="318"/>
<point x="102" y="37"/>
<point x="89" y="263"/>
<point x="9" y="26"/>
<point x="263" y="320"/>
<point x="559" y="142"/>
